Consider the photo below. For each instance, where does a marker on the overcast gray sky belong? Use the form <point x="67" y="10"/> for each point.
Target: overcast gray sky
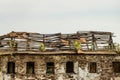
<point x="66" y="16"/>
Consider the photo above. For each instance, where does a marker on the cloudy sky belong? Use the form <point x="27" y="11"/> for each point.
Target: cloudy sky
<point x="66" y="16"/>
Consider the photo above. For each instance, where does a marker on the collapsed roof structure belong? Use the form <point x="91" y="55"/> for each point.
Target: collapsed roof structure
<point x="87" y="41"/>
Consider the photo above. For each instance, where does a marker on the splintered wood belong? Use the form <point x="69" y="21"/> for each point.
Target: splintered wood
<point x="89" y="41"/>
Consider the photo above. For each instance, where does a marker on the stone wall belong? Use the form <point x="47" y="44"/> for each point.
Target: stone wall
<point x="81" y="67"/>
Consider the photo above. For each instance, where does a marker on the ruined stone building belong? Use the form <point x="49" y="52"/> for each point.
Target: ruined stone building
<point x="84" y="55"/>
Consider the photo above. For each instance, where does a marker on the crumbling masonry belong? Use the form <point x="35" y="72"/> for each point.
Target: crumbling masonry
<point x="86" y="55"/>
